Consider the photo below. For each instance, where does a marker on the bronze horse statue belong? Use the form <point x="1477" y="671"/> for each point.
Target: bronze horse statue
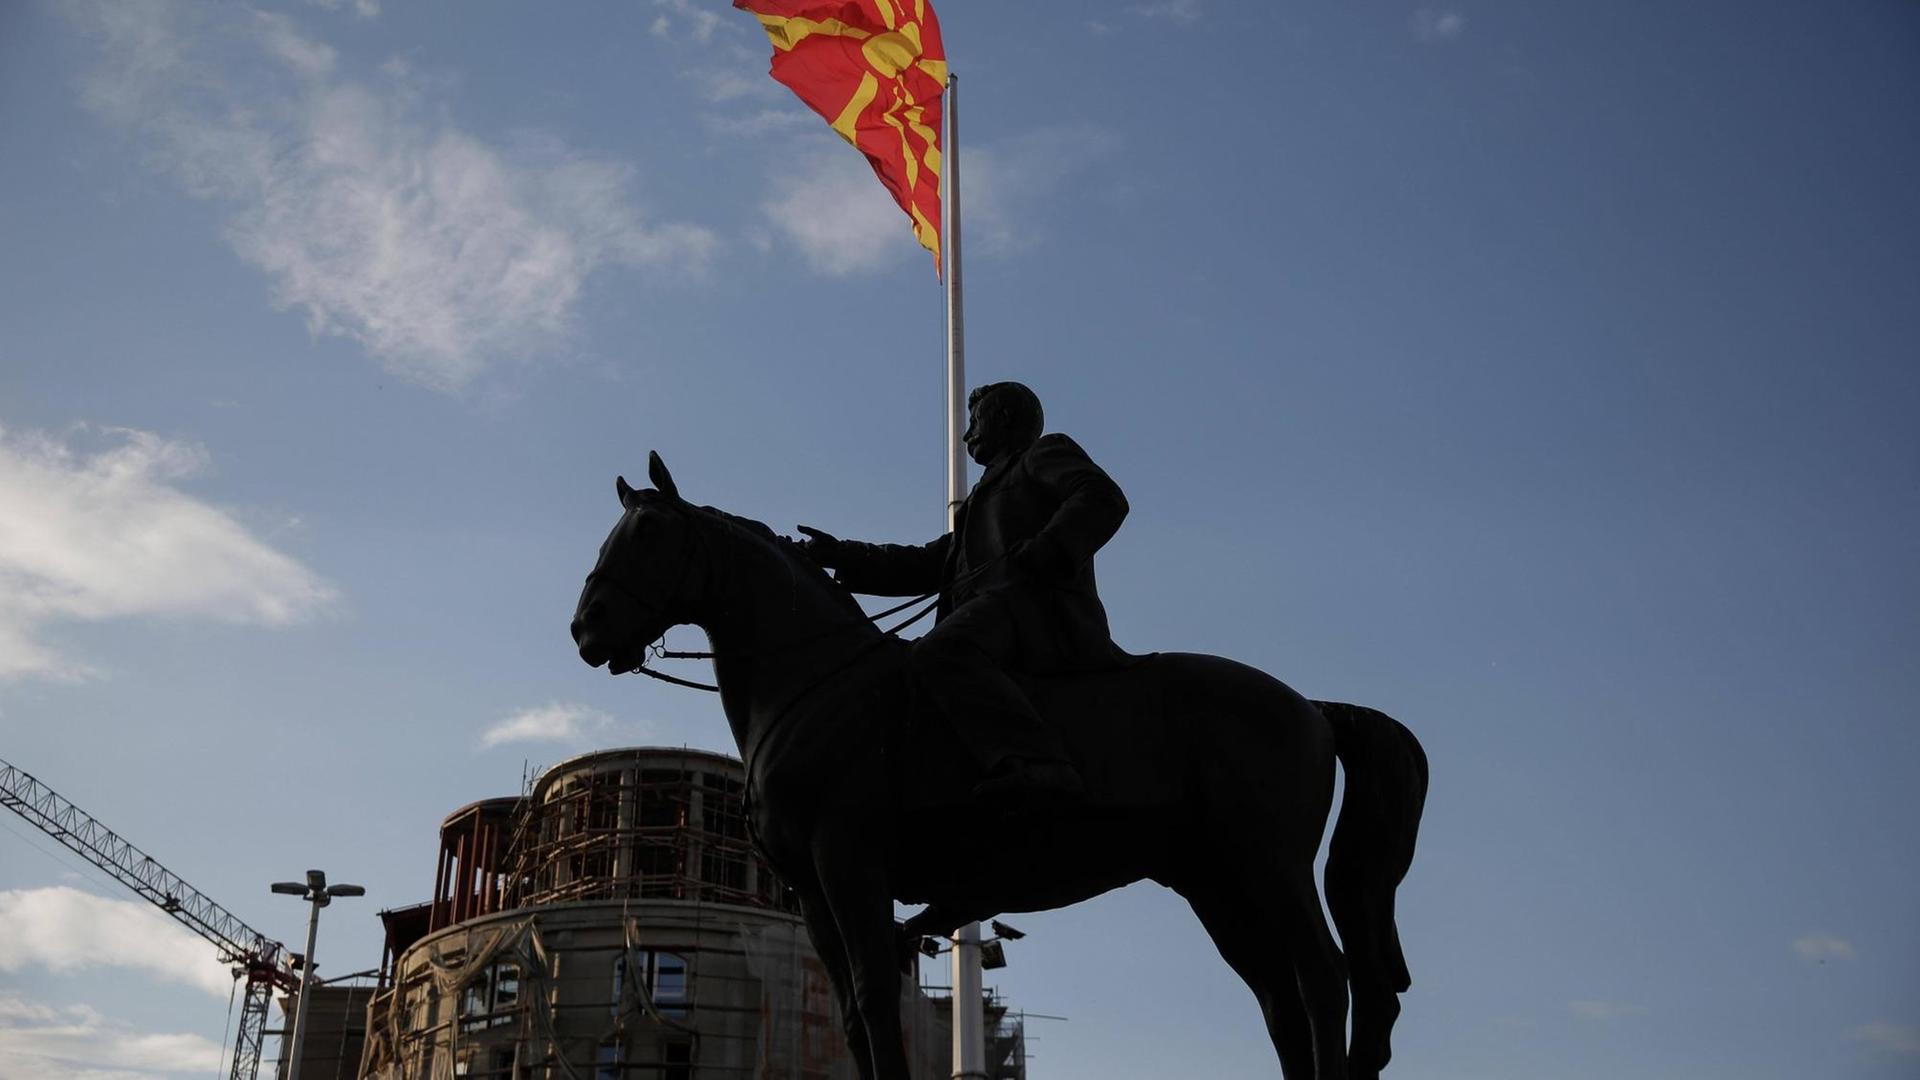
<point x="1203" y="774"/>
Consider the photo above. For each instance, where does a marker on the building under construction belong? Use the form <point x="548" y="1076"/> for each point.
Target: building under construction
<point x="613" y="922"/>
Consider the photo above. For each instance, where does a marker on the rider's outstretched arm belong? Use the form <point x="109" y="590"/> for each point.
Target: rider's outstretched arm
<point x="892" y="569"/>
<point x="878" y="569"/>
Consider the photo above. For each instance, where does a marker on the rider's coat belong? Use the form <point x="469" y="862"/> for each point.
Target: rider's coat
<point x="1053" y="497"/>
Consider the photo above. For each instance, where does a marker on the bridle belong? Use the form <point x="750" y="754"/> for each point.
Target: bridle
<point x="672" y="602"/>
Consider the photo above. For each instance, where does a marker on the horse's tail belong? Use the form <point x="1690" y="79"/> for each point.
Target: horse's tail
<point x="1371" y="850"/>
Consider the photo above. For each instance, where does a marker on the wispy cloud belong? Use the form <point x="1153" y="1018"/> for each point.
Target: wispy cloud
<point x="107" y="533"/>
<point x="721" y="54"/>
<point x="64" y="930"/>
<point x="1603" y="1011"/>
<point x="366" y="9"/>
<point x="553" y="722"/>
<point x="1007" y="183"/>
<point x="823" y="200"/>
<point x="1436" y="24"/>
<point x="439" y="252"/>
<point x="828" y="204"/>
<point x="685" y="18"/>
<point x="762" y="122"/>
<point x="726" y="83"/>
<point x="1820" y="947"/>
<point x="76" y="1042"/>
<point x="1184" y="12"/>
<point x="1902" y="1040"/>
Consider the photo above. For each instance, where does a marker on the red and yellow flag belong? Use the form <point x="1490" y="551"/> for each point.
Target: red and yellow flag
<point x="875" y="69"/>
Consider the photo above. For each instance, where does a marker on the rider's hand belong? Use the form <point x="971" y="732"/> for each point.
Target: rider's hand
<point x="822" y="547"/>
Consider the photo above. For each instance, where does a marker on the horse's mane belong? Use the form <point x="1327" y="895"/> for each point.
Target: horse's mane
<point x="787" y="549"/>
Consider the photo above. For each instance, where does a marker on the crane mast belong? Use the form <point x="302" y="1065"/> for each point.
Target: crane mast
<point x="258" y="959"/>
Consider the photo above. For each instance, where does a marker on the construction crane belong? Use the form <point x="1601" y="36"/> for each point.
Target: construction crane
<point x="257" y="958"/>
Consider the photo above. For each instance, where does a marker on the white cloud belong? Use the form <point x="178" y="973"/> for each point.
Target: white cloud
<point x="1901" y="1039"/>
<point x="722" y="56"/>
<point x="553" y="722"/>
<point x="1184" y="12"/>
<point x="366" y="9"/>
<point x="279" y="36"/>
<point x="1004" y="184"/>
<point x="823" y="198"/>
<point x="1432" y="24"/>
<point x="107" y="534"/>
<point x="827" y="202"/>
<point x="763" y="122"/>
<point x="1820" y="947"/>
<point x="64" y="930"/>
<point x="699" y="23"/>
<point x="1603" y="1011"/>
<point x="735" y="82"/>
<point x="439" y="252"/>
<point x="75" y="1042"/>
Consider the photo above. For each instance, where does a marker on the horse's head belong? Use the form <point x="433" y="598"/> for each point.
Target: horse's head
<point x="635" y="591"/>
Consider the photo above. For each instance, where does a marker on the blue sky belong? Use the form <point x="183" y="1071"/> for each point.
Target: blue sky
<point x="1543" y="375"/>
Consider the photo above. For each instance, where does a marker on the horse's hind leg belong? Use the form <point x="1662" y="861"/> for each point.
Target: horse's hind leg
<point x="1318" y="968"/>
<point x="1367" y="930"/>
<point x="1246" y="940"/>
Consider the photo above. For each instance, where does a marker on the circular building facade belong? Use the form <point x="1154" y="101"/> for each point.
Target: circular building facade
<point x="615" y="923"/>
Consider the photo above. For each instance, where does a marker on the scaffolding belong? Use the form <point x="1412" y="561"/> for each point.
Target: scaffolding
<point x="596" y="925"/>
<point x="614" y="922"/>
<point x="640" y="825"/>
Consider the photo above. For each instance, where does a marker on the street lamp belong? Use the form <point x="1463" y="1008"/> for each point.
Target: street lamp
<point x="317" y="892"/>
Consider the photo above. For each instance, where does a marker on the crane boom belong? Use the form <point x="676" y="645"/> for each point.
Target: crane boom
<point x="258" y="958"/>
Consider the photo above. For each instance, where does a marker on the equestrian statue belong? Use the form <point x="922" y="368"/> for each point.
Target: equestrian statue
<point x="876" y="766"/>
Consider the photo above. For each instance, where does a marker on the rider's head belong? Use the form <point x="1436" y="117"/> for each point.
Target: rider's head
<point x="1002" y="418"/>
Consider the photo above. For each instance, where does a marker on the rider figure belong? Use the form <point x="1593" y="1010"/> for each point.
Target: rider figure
<point x="1016" y="585"/>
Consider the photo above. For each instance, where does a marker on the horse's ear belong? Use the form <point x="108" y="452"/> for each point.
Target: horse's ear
<point x="626" y="491"/>
<point x="662" y="479"/>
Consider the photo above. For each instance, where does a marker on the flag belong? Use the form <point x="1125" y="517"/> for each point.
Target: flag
<point x="875" y="70"/>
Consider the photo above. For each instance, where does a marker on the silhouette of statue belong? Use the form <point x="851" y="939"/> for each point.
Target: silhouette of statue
<point x="1200" y="773"/>
<point x="1016" y="585"/>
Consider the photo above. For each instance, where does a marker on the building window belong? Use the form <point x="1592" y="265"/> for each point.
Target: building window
<point x="659" y="862"/>
<point x="608" y="1062"/>
<point x="663" y="975"/>
<point x="677" y="1061"/>
<point x="491" y="999"/>
<point x="723" y="870"/>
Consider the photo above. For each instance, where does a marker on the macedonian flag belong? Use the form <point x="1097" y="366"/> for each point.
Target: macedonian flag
<point x="875" y="70"/>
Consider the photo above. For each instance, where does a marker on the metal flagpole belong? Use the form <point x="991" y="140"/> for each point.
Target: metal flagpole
<point x="956" y="322"/>
<point x="969" y="1024"/>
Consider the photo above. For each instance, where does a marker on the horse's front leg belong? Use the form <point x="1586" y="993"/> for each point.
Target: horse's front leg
<point x="833" y="954"/>
<point x="851" y="877"/>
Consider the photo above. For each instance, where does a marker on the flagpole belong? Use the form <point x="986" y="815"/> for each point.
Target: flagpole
<point x="956" y="321"/>
<point x="969" y="1023"/>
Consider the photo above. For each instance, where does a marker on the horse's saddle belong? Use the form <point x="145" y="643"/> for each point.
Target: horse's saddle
<point x="1115" y="722"/>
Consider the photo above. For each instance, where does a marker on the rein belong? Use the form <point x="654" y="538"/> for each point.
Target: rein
<point x="658" y="650"/>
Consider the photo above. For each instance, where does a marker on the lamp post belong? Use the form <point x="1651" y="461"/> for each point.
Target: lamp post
<point x="972" y="955"/>
<point x="317" y="892"/>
